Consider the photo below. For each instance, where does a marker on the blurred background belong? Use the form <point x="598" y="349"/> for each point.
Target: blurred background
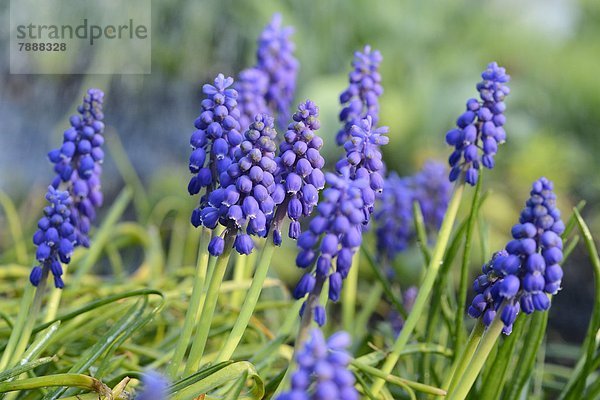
<point x="433" y="54"/>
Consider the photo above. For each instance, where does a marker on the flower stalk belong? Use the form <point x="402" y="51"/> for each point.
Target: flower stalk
<point x="210" y="304"/>
<point x="194" y="305"/>
<point x="462" y="388"/>
<point x="425" y="288"/>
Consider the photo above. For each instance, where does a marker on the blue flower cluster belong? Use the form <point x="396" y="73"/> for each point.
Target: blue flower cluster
<point x="323" y="370"/>
<point x="432" y="191"/>
<point x="299" y="167"/>
<point x="251" y="86"/>
<point x="394" y="217"/>
<point x="480" y="127"/>
<point x="394" y="214"/>
<point x="248" y="192"/>
<point x="155" y="387"/>
<point x="77" y="163"/>
<point x="55" y="238"/>
<point x="523" y="275"/>
<point x="361" y="98"/>
<point x="364" y="159"/>
<point x="333" y="235"/>
<point x="215" y="140"/>
<point x="275" y="56"/>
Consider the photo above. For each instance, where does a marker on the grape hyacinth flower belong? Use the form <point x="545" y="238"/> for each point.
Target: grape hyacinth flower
<point x="432" y="191"/>
<point x="155" y="387"/>
<point x="251" y="86"/>
<point x="394" y="217"/>
<point x="245" y="198"/>
<point x="394" y="214"/>
<point x="361" y="98"/>
<point x="299" y="167"/>
<point x="364" y="159"/>
<point x="275" y="56"/>
<point x="333" y="237"/>
<point x="523" y="275"/>
<point x="480" y="127"/>
<point x="215" y="140"/>
<point x="55" y="238"/>
<point x="323" y="370"/>
<point x="77" y="163"/>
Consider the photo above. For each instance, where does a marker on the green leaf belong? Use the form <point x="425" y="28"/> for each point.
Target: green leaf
<point x="526" y="362"/>
<point x="28" y="366"/>
<point x="492" y="386"/>
<point x="220" y="377"/>
<point x="103" y="234"/>
<point x="421" y="231"/>
<point x="384" y="281"/>
<point x="576" y="386"/>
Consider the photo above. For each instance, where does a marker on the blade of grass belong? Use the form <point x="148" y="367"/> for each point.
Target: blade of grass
<point x="14" y="225"/>
<point x="421" y="231"/>
<point x="221" y="377"/>
<point x="385" y="284"/>
<point x="493" y="385"/>
<point x="28" y="366"/>
<point x="526" y="362"/>
<point x="102" y="235"/>
<point x="576" y="385"/>
<point x="459" y="331"/>
<point x="396" y="380"/>
<point x="129" y="175"/>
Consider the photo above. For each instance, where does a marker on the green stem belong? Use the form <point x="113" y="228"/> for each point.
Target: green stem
<point x="54" y="300"/>
<point x="210" y="270"/>
<point x="367" y="310"/>
<point x="464" y="270"/>
<point x="239" y="272"/>
<point x="462" y="363"/>
<point x="210" y="304"/>
<point x="425" y="289"/>
<point x="576" y="385"/>
<point x="249" y="303"/>
<point x="22" y="318"/>
<point x="397" y="380"/>
<point x="494" y="382"/>
<point x="192" y="311"/>
<point x="73" y="380"/>
<point x="32" y="314"/>
<point x="307" y="317"/>
<point x="421" y="231"/>
<point x="349" y="295"/>
<point x="486" y="345"/>
<point x="14" y="225"/>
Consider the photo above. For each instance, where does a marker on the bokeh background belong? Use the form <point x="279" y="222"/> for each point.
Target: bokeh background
<point x="433" y="55"/>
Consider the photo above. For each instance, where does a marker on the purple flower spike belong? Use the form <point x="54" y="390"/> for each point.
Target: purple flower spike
<point x="394" y="215"/>
<point x="275" y="57"/>
<point x="55" y="238"/>
<point x="155" y="387"/>
<point x="78" y="164"/>
<point x="252" y="87"/>
<point x="323" y="370"/>
<point x="334" y="235"/>
<point x="480" y="128"/>
<point x="523" y="275"/>
<point x="215" y="140"/>
<point x="300" y="166"/>
<point x="364" y="159"/>
<point x="244" y="204"/>
<point x="361" y="98"/>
